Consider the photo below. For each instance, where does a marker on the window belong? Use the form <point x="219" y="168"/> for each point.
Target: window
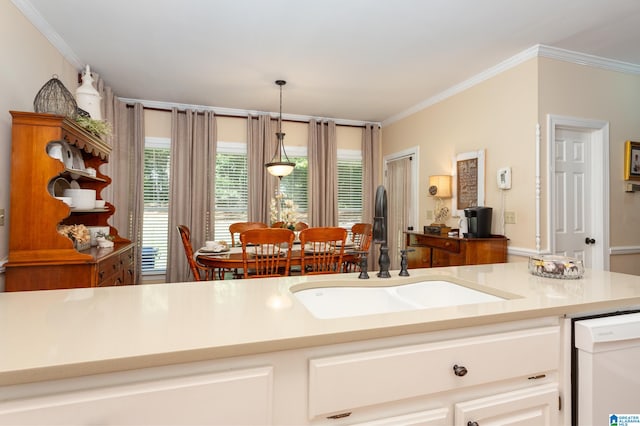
<point x="231" y="193"/>
<point x="349" y="187"/>
<point x="155" y="223"/>
<point x="231" y="204"/>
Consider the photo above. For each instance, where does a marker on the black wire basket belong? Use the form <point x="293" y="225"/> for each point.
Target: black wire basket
<point x="54" y="98"/>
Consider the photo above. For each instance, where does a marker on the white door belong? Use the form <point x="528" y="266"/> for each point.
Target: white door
<point x="572" y="180"/>
<point x="579" y="216"/>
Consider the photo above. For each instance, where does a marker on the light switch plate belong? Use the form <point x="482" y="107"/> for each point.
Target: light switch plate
<point x="510" y="217"/>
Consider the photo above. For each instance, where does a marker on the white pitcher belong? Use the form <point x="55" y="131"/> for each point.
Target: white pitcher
<point x="87" y="97"/>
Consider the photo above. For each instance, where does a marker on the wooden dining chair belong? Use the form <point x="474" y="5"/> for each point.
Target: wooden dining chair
<point x="299" y="226"/>
<point x="195" y="267"/>
<point x="266" y="252"/>
<point x="277" y="225"/>
<point x="322" y="250"/>
<point x="235" y="229"/>
<point x="361" y="235"/>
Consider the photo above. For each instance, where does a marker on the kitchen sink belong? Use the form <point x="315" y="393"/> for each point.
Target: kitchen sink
<point x="349" y="301"/>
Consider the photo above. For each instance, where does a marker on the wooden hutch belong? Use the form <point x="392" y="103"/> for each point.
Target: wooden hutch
<point x="39" y="257"/>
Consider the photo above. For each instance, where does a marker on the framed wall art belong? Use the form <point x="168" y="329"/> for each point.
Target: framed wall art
<point x="631" y="160"/>
<point x="468" y="181"/>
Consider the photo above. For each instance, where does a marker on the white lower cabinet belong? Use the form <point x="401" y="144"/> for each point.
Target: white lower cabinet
<point x="501" y="378"/>
<point x="494" y="374"/>
<point x="237" y="397"/>
<point x="535" y="406"/>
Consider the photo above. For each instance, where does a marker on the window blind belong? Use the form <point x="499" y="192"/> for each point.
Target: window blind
<point x="231" y="190"/>
<point x="156" y="205"/>
<point x="349" y="187"/>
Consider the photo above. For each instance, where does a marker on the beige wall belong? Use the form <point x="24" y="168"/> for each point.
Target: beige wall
<point x="28" y="61"/>
<point x="586" y="92"/>
<point x="498" y="115"/>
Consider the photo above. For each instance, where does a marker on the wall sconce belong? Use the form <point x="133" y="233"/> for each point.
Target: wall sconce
<point x="439" y="188"/>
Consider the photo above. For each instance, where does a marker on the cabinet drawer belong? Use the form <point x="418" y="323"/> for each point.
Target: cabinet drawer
<point x="419" y="257"/>
<point x="448" y="244"/>
<point x="111" y="280"/>
<point x="108" y="266"/>
<point x="127" y="257"/>
<point x="346" y="382"/>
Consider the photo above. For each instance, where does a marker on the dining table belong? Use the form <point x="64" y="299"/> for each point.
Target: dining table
<point x="231" y="259"/>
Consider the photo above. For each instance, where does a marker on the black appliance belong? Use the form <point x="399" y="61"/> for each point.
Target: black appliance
<point x="478" y="222"/>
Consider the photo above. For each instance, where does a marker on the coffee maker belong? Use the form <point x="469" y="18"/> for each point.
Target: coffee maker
<point x="478" y="222"/>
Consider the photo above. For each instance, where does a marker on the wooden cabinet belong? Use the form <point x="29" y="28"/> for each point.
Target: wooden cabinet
<point x="39" y="257"/>
<point x="438" y="250"/>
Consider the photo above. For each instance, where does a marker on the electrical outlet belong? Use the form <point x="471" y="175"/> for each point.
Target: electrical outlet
<point x="1" y="217"/>
<point x="510" y="217"/>
<point x="429" y="215"/>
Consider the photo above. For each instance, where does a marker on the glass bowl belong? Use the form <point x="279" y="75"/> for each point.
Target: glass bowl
<point x="551" y="266"/>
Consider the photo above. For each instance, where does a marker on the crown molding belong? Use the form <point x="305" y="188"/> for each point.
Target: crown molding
<point x="535" y="51"/>
<point x="586" y="59"/>
<point x="50" y="34"/>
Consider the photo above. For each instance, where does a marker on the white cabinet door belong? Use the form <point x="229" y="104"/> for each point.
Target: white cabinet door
<point x="436" y="417"/>
<point x="226" y="398"/>
<point x="536" y="406"/>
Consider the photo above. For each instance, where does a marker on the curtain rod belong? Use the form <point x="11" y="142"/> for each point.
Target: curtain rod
<point x="238" y="113"/>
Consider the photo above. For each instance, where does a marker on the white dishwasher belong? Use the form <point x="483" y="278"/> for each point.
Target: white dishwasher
<point x="607" y="370"/>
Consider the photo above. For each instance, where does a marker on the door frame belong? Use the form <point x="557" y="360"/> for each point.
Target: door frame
<point x="413" y="152"/>
<point x="599" y="185"/>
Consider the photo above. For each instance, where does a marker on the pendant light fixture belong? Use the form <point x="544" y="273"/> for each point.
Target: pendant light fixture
<point x="280" y="165"/>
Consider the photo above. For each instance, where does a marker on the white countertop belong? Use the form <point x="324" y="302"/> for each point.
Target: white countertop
<point x="65" y="333"/>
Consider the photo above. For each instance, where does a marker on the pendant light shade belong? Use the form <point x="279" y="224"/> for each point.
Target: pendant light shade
<point x="280" y="165"/>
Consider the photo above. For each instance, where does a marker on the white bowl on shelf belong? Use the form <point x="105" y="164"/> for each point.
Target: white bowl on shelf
<point x="82" y="199"/>
<point x="100" y="204"/>
<point x="67" y="200"/>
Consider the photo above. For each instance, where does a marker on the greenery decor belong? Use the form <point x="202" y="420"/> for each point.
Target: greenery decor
<point x="105" y="236"/>
<point x="97" y="127"/>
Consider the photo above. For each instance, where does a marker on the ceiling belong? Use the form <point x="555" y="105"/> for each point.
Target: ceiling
<point x="365" y="60"/>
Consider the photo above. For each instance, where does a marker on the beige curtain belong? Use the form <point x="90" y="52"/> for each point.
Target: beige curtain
<point x="125" y="166"/>
<point x="192" y="175"/>
<point x="398" y="200"/>
<point x="371" y="178"/>
<point x="323" y="174"/>
<point x="371" y="166"/>
<point x="261" y="144"/>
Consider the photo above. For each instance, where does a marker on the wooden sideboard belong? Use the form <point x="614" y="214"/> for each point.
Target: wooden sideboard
<point x="39" y="257"/>
<point x="440" y="250"/>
